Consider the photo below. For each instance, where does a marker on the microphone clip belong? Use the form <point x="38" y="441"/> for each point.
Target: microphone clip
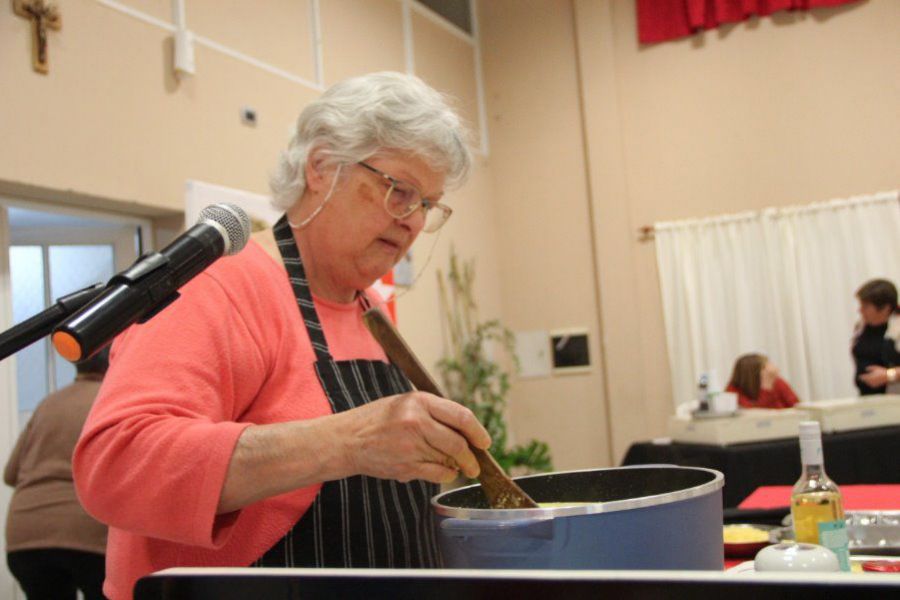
<point x="152" y="271"/>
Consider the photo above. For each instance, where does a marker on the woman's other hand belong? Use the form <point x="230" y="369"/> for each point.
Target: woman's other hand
<point x="875" y="376"/>
<point x="412" y="436"/>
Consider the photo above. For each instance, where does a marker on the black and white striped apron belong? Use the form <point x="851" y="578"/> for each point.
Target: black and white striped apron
<point x="359" y="521"/>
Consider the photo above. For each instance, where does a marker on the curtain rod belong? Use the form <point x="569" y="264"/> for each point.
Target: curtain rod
<point x="647" y="233"/>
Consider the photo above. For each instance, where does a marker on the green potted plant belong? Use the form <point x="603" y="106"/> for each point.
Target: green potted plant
<point x="473" y="377"/>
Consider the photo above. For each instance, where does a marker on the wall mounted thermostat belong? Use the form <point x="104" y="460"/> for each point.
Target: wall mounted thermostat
<point x="570" y="351"/>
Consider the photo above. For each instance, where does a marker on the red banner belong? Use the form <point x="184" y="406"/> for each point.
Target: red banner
<point x="661" y="20"/>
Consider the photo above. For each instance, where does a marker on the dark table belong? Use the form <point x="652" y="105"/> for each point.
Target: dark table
<point x="860" y="456"/>
<point x="375" y="584"/>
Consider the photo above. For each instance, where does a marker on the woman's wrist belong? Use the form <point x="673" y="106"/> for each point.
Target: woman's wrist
<point x="318" y="450"/>
<point x="332" y="439"/>
<point x="273" y="459"/>
<point x="891" y="374"/>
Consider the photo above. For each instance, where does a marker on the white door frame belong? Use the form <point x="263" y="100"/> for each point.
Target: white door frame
<point x="145" y="224"/>
<point x="9" y="408"/>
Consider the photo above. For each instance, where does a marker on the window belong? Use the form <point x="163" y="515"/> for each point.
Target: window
<point x="73" y="268"/>
<point x="39" y="275"/>
<point x="52" y="255"/>
<point x="455" y="11"/>
<point x="26" y="264"/>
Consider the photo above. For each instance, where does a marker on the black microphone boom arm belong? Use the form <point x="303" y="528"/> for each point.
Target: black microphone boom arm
<point x="34" y="328"/>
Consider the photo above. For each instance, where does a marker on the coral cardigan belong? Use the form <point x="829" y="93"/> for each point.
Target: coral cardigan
<point x="152" y="459"/>
<point x="780" y="396"/>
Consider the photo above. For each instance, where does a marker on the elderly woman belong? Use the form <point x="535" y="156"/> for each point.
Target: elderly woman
<point x="255" y="421"/>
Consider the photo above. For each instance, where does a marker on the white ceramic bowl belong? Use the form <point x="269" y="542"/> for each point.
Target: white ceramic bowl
<point x="790" y="556"/>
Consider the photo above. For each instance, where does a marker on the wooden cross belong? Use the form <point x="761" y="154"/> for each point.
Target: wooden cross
<point x="43" y="16"/>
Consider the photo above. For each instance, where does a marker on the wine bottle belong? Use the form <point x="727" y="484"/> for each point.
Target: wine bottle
<point x="816" y="504"/>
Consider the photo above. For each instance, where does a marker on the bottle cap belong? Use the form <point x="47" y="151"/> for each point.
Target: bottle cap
<point x="810" y="430"/>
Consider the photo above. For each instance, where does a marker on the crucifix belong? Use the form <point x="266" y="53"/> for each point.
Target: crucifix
<point x="43" y="16"/>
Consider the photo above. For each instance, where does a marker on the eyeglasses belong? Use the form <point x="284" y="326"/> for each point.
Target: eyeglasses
<point x="403" y="199"/>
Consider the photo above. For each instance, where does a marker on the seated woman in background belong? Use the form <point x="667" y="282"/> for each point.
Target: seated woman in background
<point x="756" y="381"/>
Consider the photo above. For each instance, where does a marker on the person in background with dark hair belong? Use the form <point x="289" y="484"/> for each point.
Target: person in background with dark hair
<point x="876" y="341"/>
<point x="756" y="381"/>
<point x="53" y="548"/>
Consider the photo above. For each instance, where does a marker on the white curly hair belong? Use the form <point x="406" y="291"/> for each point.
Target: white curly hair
<point x="357" y="117"/>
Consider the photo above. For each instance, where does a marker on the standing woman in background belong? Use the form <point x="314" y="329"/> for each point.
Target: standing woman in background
<point x="876" y="341"/>
<point x="53" y="547"/>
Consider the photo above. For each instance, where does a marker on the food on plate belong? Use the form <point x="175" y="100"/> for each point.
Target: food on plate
<point x="744" y="534"/>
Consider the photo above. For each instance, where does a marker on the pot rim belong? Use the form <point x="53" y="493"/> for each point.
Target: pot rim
<point x="511" y="514"/>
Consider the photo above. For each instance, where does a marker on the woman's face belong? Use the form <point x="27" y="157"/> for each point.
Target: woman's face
<point x="872" y="315"/>
<point x="354" y="240"/>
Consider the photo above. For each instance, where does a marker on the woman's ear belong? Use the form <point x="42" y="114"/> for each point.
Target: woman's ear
<point x="315" y="170"/>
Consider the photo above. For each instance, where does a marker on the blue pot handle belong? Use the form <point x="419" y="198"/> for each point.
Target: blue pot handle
<point x="521" y="528"/>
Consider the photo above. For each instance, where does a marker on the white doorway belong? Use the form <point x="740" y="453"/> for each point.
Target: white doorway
<point x="46" y="252"/>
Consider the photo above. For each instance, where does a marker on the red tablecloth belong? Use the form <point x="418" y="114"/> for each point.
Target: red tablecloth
<point x="856" y="497"/>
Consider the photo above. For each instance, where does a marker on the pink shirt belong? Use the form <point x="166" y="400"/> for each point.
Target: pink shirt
<point x="152" y="458"/>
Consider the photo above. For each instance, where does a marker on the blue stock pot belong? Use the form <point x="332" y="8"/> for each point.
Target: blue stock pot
<point x="642" y="517"/>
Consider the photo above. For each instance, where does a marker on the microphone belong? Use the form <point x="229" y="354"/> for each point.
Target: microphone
<point x="152" y="282"/>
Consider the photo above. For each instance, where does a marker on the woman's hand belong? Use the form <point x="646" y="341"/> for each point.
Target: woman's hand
<point x="768" y="376"/>
<point x="875" y="376"/>
<point x="405" y="437"/>
<point x="412" y="436"/>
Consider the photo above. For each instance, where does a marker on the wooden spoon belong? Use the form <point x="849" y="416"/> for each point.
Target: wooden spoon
<point x="500" y="490"/>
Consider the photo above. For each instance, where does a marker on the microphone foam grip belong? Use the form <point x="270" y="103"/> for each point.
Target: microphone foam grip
<point x="232" y="220"/>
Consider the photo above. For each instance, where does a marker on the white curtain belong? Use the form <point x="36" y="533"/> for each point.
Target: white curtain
<point x="780" y="282"/>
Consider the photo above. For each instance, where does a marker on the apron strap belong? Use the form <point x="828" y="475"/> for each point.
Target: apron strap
<point x="290" y="255"/>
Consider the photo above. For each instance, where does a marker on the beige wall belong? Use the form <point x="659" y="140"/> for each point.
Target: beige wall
<point x="784" y="110"/>
<point x="111" y="127"/>
<point x="548" y="278"/>
<point x="111" y="120"/>
<point x="591" y="135"/>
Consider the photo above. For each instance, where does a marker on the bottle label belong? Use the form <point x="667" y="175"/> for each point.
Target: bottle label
<point x="811" y="451"/>
<point x="833" y="535"/>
